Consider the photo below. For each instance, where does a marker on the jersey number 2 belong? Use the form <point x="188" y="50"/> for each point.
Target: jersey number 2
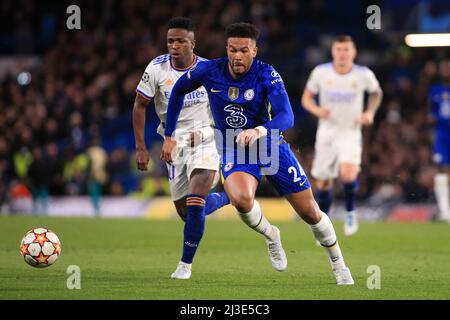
<point x="293" y="170"/>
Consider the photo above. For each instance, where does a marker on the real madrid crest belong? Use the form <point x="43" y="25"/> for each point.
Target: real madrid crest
<point x="233" y="93"/>
<point x="249" y="94"/>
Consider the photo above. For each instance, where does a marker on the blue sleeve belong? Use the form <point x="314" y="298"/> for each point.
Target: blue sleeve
<point x="188" y="82"/>
<point x="281" y="110"/>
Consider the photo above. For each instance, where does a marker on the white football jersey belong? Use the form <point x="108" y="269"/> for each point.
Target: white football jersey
<point x="157" y="83"/>
<point x="342" y="93"/>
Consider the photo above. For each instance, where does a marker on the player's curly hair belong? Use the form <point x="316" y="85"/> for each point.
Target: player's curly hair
<point x="181" y="23"/>
<point x="242" y="30"/>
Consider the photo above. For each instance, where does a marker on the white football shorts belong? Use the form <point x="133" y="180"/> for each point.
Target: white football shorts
<point x="202" y="156"/>
<point x="334" y="149"/>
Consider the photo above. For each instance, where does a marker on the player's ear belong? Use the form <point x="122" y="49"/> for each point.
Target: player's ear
<point x="255" y="51"/>
<point x="355" y="52"/>
<point x="193" y="43"/>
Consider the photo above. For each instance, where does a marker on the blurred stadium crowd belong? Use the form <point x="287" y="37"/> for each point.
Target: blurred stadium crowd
<point x="66" y="100"/>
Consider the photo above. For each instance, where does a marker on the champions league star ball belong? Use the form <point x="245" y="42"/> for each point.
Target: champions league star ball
<point x="40" y="248"/>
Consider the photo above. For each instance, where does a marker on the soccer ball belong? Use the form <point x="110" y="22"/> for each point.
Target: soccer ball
<point x="40" y="247"/>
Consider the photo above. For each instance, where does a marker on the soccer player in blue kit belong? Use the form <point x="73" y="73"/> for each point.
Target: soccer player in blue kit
<point x="439" y="98"/>
<point x="248" y="97"/>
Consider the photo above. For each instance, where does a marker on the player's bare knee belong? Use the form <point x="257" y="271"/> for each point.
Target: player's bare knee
<point x="243" y="202"/>
<point x="348" y="177"/>
<point x="324" y="184"/>
<point x="348" y="174"/>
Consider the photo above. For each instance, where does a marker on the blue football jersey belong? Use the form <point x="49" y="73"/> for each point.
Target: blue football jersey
<point x="241" y="103"/>
<point x="245" y="103"/>
<point x="439" y="96"/>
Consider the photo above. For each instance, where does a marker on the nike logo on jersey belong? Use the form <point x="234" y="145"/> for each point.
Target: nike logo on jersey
<point x="214" y="90"/>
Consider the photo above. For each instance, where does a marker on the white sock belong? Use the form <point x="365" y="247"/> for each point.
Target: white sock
<point x="256" y="220"/>
<point x="325" y="234"/>
<point x="441" y="192"/>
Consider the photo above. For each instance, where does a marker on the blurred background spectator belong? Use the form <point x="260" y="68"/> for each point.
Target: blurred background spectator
<point x="61" y="88"/>
<point x="39" y="178"/>
<point x="97" y="172"/>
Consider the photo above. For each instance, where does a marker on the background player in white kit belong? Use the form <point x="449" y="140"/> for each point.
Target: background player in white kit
<point x="340" y="86"/>
<point x="195" y="168"/>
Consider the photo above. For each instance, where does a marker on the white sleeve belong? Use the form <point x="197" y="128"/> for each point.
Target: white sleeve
<point x="147" y="85"/>
<point x="370" y="81"/>
<point x="313" y="83"/>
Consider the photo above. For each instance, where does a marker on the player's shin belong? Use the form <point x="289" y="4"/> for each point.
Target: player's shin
<point x="350" y="189"/>
<point x="325" y="234"/>
<point x="194" y="227"/>
<point x="215" y="201"/>
<point x="324" y="200"/>
<point x="256" y="220"/>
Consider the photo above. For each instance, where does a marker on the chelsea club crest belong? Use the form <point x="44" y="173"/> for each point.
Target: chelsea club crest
<point x="249" y="94"/>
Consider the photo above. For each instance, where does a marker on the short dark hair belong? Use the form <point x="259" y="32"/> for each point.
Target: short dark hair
<point x="343" y="38"/>
<point x="242" y="30"/>
<point x="181" y="23"/>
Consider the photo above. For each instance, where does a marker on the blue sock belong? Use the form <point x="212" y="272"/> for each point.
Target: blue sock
<point x="324" y="200"/>
<point x="194" y="226"/>
<point x="215" y="201"/>
<point x="350" y="189"/>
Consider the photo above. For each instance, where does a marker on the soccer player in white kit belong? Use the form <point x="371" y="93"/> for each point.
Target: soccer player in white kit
<point x="195" y="169"/>
<point x="340" y="86"/>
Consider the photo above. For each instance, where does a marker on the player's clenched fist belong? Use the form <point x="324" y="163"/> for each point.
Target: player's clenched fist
<point x="168" y="150"/>
<point x="366" y="118"/>
<point x="142" y="159"/>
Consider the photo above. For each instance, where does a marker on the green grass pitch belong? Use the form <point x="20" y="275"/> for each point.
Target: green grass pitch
<point x="133" y="259"/>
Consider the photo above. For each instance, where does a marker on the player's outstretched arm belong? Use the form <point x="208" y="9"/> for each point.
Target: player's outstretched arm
<point x="139" y="109"/>
<point x="183" y="86"/>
